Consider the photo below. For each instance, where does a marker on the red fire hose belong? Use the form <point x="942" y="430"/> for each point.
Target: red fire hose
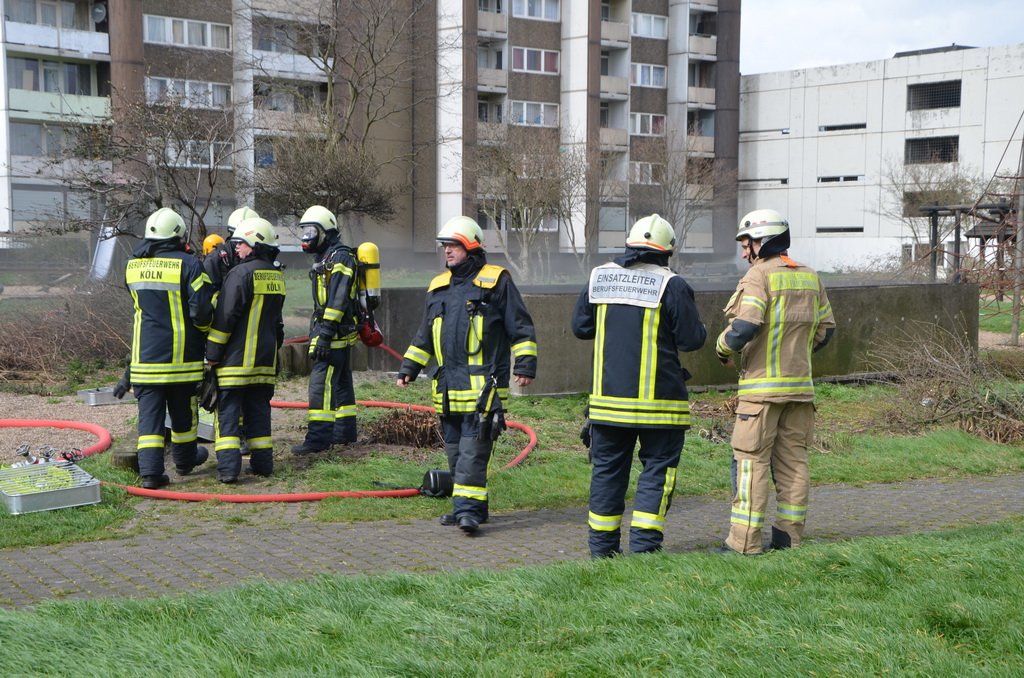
<point x="104" y="441"/>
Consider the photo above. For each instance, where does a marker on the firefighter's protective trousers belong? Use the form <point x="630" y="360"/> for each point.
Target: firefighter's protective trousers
<point x="252" y="403"/>
<point x="770" y="438"/>
<point x="155" y="403"/>
<point x="332" y="401"/>
<point x="467" y="460"/>
<point x="611" y="454"/>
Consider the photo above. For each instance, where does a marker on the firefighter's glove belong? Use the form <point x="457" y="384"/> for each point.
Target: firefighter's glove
<point x="322" y="350"/>
<point x="585" y="433"/>
<point x="724" y="359"/>
<point x="122" y="386"/>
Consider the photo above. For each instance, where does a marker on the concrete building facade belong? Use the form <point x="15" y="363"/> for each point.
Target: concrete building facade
<point x="827" y="146"/>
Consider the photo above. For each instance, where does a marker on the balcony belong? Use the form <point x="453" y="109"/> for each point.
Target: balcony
<point x="86" y="44"/>
<point x="701" y="146"/>
<point x="288" y="65"/>
<point x="614" y="33"/>
<point x="701" y="96"/>
<point x="704" y="5"/>
<point x="283" y="121"/>
<point x="614" y="87"/>
<point x="492" y="80"/>
<point x="700" y="193"/>
<point x="614" y="191"/>
<point x="614" y="138"/>
<point x="55" y="106"/>
<point x="703" y="46"/>
<point x="492" y="23"/>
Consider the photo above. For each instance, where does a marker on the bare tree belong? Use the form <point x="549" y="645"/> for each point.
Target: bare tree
<point x="366" y="56"/>
<point x="175" y="150"/>
<point x="677" y="179"/>
<point x="529" y="186"/>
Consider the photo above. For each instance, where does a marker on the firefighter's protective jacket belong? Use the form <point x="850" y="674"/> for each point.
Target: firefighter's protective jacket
<point x="173" y="309"/>
<point x="247" y="327"/>
<point x="335" y="307"/>
<point x="777" y="317"/>
<point x="640" y="316"/>
<point x="472" y="320"/>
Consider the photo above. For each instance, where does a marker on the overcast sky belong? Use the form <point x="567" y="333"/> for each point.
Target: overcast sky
<point x="781" y="35"/>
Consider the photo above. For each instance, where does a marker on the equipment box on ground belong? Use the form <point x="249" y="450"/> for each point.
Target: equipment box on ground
<point x="44" y="487"/>
<point x="103" y="395"/>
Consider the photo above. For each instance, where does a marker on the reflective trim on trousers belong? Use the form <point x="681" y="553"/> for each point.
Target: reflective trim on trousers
<point x="647" y="521"/>
<point x="150" y="441"/>
<point x="228" y="443"/>
<point x="470" y="492"/>
<point x="604" y="523"/>
<point x="792" y="513"/>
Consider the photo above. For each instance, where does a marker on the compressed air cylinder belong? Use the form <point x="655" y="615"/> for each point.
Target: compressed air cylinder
<point x="369" y="275"/>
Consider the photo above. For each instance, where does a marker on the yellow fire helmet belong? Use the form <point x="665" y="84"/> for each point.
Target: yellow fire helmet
<point x="210" y="243"/>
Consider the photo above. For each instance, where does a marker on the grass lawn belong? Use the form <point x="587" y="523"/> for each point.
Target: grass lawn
<point x="943" y="604"/>
<point x="854" y="445"/>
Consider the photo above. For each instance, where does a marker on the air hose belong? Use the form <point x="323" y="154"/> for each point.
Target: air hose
<point x="104" y="441"/>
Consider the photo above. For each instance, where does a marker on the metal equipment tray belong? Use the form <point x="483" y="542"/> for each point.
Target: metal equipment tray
<point x="103" y="395"/>
<point x="44" y="487"/>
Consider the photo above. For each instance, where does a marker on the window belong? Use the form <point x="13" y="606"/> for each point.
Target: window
<point x="605" y="62"/>
<point x="840" y="179"/>
<point x="650" y="26"/>
<point x="49" y="76"/>
<point x="536" y="9"/>
<point x="489" y="6"/>
<point x="200" y="154"/>
<point x="280" y="38"/>
<point x="193" y="93"/>
<point x="647" y="124"/>
<point x="646" y="173"/>
<point x="534" y="60"/>
<point x="46" y="13"/>
<point x="648" y="75"/>
<point x="186" y="33"/>
<point x="488" y="111"/>
<point x="933" y="95"/>
<point x="932" y="149"/>
<point x="264" y="153"/>
<point x="605" y="115"/>
<point x="839" y="229"/>
<point x="842" y="127"/>
<point x="606" y="11"/>
<point x="533" y="113"/>
<point x="36" y="140"/>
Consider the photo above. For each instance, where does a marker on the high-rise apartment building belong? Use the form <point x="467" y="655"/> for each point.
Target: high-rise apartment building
<point x="646" y="89"/>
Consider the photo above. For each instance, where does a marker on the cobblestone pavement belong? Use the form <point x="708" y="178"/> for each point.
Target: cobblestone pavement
<point x="207" y="557"/>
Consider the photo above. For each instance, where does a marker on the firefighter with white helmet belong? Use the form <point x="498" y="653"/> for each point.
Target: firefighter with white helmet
<point x="777" y="317"/>
<point x="474" y="318"/>
<point x="242" y="347"/>
<point x="173" y="309"/>
<point x="640" y="315"/>
<point x="332" y="397"/>
<point x="221" y="256"/>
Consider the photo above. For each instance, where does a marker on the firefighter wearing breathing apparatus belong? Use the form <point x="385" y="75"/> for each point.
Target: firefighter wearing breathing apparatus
<point x="640" y="315"/>
<point x="220" y="255"/>
<point x="173" y="310"/>
<point x="333" y="331"/>
<point x="778" y="316"/>
<point x="473" y="318"/>
<point x="242" y="348"/>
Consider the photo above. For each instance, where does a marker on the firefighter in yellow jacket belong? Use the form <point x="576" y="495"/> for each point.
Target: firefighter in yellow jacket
<point x="778" y="316"/>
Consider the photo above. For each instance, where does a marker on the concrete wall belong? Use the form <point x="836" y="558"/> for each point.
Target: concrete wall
<point x="868" y="319"/>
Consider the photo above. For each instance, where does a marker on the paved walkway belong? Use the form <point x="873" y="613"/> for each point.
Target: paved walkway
<point x="208" y="557"/>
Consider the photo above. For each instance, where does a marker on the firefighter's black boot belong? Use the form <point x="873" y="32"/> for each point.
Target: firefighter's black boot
<point x="198" y="454"/>
<point x="229" y="465"/>
<point x="780" y="540"/>
<point x="155" y="482"/>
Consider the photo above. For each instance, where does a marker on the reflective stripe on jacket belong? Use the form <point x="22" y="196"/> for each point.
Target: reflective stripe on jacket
<point x="650" y="316"/>
<point x="469" y="327"/>
<point x="790" y="309"/>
